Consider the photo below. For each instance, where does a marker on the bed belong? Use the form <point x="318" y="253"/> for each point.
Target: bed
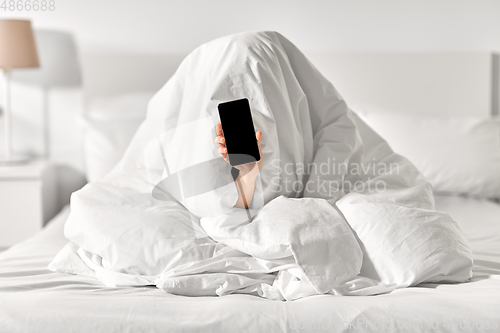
<point x="35" y="299"/>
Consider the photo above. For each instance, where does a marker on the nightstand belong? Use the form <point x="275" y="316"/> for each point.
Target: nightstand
<point x="28" y="199"/>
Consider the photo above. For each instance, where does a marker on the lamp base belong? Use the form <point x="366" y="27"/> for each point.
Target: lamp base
<point x="14" y="160"/>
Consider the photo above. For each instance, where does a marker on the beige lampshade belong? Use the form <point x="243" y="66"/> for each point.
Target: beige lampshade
<point x="17" y="45"/>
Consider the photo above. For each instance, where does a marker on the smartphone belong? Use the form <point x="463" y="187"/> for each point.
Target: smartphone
<point x="239" y="132"/>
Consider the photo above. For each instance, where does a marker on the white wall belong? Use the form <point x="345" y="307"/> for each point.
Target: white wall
<point x="164" y="26"/>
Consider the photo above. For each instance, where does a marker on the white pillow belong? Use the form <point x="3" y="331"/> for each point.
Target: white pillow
<point x="110" y="124"/>
<point x="407" y="245"/>
<point x="457" y="155"/>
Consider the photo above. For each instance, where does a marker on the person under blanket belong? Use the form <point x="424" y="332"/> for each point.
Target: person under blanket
<point x="171" y="215"/>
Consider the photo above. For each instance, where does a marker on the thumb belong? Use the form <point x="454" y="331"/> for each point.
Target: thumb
<point x="258" y="134"/>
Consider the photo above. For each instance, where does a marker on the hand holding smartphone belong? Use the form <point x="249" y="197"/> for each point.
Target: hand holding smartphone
<point x="238" y="142"/>
<point x="239" y="145"/>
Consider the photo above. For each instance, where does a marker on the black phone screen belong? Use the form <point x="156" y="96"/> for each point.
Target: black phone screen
<point x="239" y="133"/>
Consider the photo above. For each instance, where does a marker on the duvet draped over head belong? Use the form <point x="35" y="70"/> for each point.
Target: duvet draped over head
<point x="335" y="210"/>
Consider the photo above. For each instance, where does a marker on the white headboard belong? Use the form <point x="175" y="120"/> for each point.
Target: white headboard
<point x="447" y="83"/>
<point x="115" y="74"/>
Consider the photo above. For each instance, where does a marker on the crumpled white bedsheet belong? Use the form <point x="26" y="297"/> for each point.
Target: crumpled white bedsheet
<point x="335" y="209"/>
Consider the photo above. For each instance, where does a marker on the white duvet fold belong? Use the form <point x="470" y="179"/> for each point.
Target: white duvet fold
<point x="335" y="210"/>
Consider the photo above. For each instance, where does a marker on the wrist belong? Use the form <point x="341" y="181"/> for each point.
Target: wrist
<point x="245" y="185"/>
<point x="249" y="175"/>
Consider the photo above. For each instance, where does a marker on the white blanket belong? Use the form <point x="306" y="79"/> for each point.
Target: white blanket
<point x="335" y="210"/>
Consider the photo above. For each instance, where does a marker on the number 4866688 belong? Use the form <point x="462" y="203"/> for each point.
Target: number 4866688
<point x="28" y="5"/>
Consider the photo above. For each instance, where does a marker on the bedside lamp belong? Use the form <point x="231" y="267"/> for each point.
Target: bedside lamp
<point x="17" y="50"/>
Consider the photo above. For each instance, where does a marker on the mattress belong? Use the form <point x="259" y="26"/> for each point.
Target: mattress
<point x="34" y="299"/>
